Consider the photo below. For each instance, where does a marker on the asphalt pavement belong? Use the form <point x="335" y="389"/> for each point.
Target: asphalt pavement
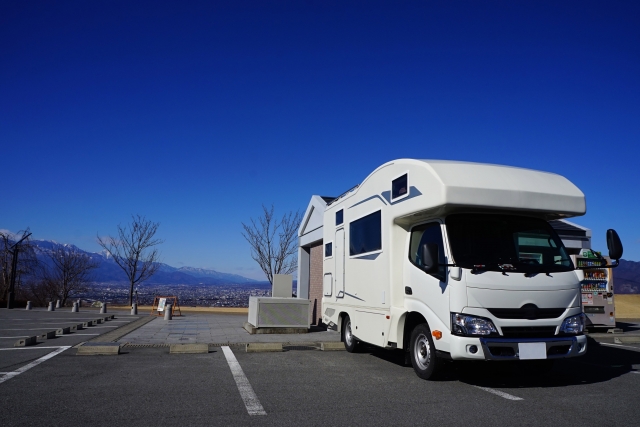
<point x="51" y="385"/>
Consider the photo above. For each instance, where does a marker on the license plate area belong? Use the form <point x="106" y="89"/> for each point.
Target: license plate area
<point x="532" y="350"/>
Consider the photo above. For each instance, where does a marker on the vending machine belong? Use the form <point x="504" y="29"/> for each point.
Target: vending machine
<point x="597" y="289"/>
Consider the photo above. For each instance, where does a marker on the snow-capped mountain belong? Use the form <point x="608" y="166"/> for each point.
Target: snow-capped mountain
<point x="109" y="271"/>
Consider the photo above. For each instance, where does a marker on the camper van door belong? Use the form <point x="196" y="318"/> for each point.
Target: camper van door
<point x="339" y="259"/>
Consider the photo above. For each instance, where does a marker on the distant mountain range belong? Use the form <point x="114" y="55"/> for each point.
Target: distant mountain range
<point x="109" y="271"/>
<point x="626" y="277"/>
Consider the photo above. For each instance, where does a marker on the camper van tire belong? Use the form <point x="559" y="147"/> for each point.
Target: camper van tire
<point x="423" y="353"/>
<point x="351" y="344"/>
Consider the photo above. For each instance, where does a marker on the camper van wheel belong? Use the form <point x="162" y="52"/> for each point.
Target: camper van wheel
<point x="350" y="342"/>
<point x="423" y="352"/>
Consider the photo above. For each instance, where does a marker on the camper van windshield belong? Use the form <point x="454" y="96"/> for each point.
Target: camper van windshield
<point x="506" y="243"/>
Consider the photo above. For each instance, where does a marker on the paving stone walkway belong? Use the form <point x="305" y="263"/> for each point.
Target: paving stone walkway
<point x="213" y="328"/>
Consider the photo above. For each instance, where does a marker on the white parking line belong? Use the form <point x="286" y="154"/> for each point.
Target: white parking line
<point x="249" y="397"/>
<point x="74" y="335"/>
<point x="499" y="393"/>
<point x="34" y="348"/>
<point x="36" y="362"/>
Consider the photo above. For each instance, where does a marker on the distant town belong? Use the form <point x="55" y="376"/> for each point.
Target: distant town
<point x="231" y="295"/>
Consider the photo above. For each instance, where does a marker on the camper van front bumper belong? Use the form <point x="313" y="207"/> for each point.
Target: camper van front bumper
<point x="556" y="347"/>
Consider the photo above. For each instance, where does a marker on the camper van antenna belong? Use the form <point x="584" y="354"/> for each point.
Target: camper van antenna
<point x="342" y="195"/>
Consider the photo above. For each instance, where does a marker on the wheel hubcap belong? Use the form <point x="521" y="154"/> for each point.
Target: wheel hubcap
<point x="347" y="334"/>
<point x="422" y="352"/>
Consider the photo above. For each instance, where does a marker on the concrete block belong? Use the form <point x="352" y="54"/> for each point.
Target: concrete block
<point x="189" y="348"/>
<point x="47" y="335"/>
<point x="103" y="308"/>
<point x="51" y="306"/>
<point x="269" y="330"/>
<point x="107" y="318"/>
<point x="58" y="305"/>
<point x="98" y="321"/>
<point x="99" y="348"/>
<point x="73" y="328"/>
<point x="23" y="342"/>
<point x="627" y="340"/>
<point x="263" y="347"/>
<point x="88" y="324"/>
<point x="63" y="331"/>
<point x="81" y="326"/>
<point x="332" y="346"/>
<point x="29" y="305"/>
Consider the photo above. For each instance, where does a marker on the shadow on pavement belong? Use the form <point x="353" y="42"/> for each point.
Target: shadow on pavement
<point x="600" y="364"/>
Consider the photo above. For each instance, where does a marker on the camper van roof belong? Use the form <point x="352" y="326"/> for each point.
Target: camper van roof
<point x="495" y="186"/>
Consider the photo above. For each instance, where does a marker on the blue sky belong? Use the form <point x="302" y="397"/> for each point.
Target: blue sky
<point x="196" y="113"/>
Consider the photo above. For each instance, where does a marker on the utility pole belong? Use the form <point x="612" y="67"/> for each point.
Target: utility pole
<point x="14" y="266"/>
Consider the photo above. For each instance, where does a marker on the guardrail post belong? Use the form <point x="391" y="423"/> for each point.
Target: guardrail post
<point x="167" y="311"/>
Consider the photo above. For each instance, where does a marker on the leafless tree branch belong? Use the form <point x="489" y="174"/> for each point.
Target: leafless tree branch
<point x="274" y="242"/>
<point x="133" y="250"/>
<point x="68" y="272"/>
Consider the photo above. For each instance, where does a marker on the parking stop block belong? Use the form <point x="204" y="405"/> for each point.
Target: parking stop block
<point x="63" y="331"/>
<point x="263" y="347"/>
<point x="47" y="335"/>
<point x="99" y="349"/>
<point x="23" y="342"/>
<point x="332" y="346"/>
<point x="627" y="340"/>
<point x="189" y="348"/>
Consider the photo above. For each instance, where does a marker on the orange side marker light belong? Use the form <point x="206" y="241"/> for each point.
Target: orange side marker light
<point x="437" y="334"/>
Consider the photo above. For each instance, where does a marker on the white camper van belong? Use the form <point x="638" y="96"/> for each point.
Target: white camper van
<point x="455" y="260"/>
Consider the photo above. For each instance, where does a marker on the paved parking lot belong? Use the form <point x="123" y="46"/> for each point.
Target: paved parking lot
<point x="227" y="386"/>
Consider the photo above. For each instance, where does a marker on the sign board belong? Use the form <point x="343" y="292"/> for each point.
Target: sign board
<point x="161" y="303"/>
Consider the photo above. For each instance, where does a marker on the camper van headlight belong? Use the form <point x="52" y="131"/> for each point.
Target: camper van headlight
<point x="573" y="325"/>
<point x="463" y="324"/>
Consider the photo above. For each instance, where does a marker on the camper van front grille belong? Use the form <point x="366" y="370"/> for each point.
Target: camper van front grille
<point x="528" y="331"/>
<point x="527" y="312"/>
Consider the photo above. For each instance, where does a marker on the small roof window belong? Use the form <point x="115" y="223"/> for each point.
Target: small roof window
<point x="400" y="187"/>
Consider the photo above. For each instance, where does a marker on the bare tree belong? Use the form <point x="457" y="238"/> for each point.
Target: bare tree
<point x="274" y="242"/>
<point x="26" y="264"/>
<point x="134" y="250"/>
<point x="67" y="274"/>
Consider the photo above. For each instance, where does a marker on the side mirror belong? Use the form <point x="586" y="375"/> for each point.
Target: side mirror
<point x="614" y="244"/>
<point x="430" y="258"/>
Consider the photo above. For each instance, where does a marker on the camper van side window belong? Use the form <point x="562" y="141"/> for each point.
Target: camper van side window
<point x="339" y="217"/>
<point x="399" y="187"/>
<point x="328" y="249"/>
<point x="427" y="233"/>
<point x="365" y="234"/>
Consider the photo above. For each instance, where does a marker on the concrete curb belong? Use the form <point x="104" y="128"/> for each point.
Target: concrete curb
<point x="263" y="347"/>
<point x="123" y="330"/>
<point x="188" y="348"/>
<point x="332" y="346"/>
<point x="99" y="349"/>
<point x="23" y="342"/>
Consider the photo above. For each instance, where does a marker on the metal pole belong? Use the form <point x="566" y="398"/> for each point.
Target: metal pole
<point x="12" y="281"/>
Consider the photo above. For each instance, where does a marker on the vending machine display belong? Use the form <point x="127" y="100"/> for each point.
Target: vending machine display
<point x="597" y="289"/>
